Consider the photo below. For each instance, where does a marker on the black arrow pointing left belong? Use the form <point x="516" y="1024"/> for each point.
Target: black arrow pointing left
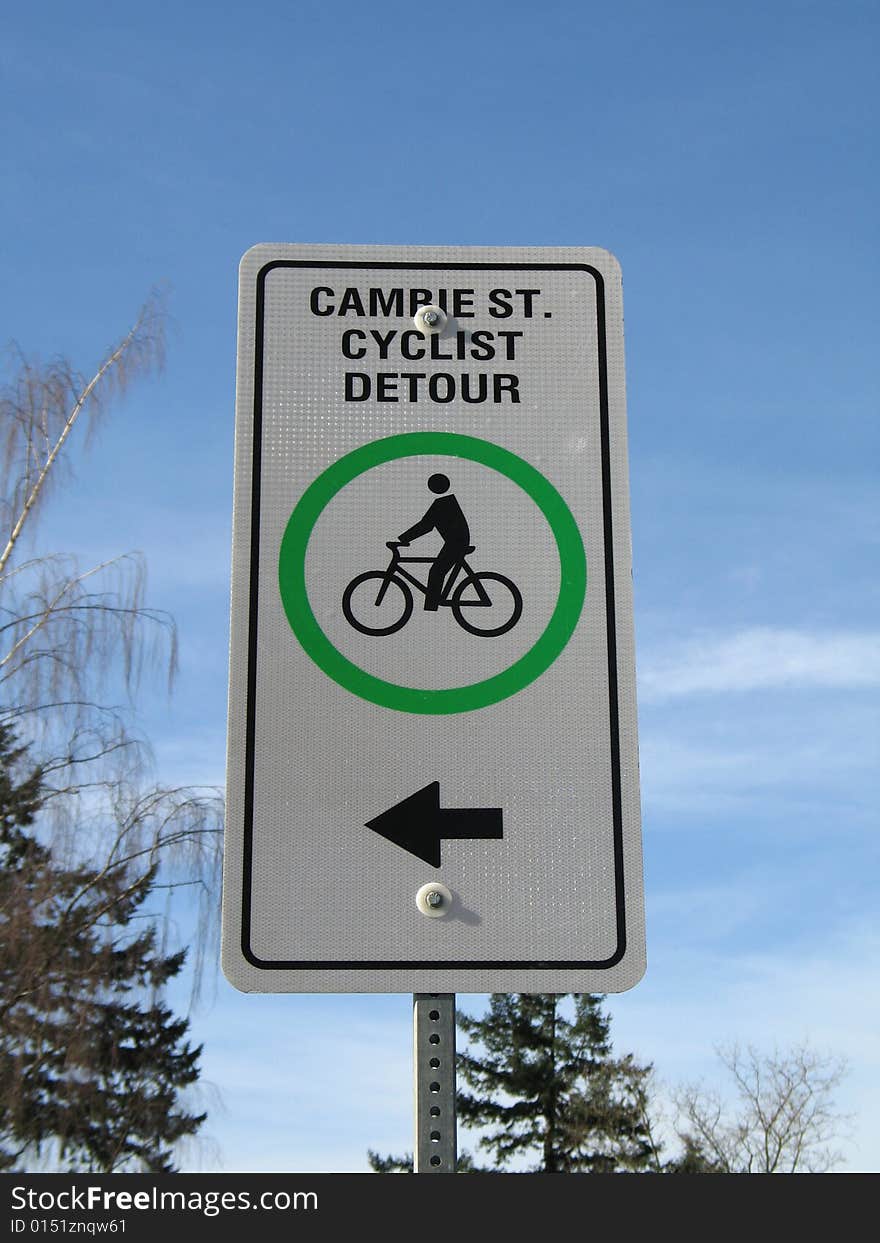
<point x="418" y="823"/>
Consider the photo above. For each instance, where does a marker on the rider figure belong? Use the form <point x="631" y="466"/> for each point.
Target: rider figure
<point x="445" y="516"/>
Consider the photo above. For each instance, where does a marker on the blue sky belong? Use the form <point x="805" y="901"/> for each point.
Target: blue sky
<point x="727" y="157"/>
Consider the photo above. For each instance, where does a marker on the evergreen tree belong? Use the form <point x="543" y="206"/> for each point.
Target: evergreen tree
<point x="548" y="1086"/>
<point x="89" y="1069"/>
<point x="693" y="1159"/>
<point x="404" y="1165"/>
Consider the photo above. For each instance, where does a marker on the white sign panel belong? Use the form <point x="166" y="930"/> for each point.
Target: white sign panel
<point x="432" y="768"/>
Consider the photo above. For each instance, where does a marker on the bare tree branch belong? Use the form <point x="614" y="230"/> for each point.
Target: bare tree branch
<point x="40" y="409"/>
<point x="783" y="1120"/>
<point x="75" y="640"/>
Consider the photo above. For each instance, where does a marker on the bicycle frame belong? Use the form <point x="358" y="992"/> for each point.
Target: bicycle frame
<point x="395" y="568"/>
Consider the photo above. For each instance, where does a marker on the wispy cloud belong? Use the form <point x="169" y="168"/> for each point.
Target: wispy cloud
<point x="774" y="998"/>
<point x="762" y="657"/>
<point x="307" y="1082"/>
<point x="792" y="764"/>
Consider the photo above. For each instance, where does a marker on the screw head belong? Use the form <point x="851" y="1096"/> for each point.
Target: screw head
<point x="434" y="899"/>
<point x="430" y="319"/>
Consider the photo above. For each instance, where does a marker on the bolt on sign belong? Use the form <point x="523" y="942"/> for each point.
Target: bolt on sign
<point x="432" y="763"/>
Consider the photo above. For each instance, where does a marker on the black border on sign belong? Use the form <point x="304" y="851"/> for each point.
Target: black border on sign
<point x="610" y="622"/>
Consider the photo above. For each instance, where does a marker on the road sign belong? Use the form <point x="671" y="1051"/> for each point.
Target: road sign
<point x="432" y="761"/>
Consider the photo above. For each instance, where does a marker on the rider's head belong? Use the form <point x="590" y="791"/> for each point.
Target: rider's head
<point x="438" y="483"/>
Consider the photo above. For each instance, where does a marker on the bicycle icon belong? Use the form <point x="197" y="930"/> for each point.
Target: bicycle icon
<point x="380" y="602"/>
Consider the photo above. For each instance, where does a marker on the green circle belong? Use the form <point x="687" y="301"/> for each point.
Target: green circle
<point x="294" y="595"/>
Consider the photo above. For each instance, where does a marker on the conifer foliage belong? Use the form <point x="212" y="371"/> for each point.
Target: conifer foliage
<point x="92" y="1062"/>
<point x="544" y="1084"/>
<point x="549" y="1096"/>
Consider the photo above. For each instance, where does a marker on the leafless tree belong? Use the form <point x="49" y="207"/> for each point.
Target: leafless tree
<point x="75" y="641"/>
<point x="783" y="1118"/>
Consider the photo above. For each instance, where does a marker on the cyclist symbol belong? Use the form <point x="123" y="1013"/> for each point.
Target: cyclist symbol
<point x="380" y="602"/>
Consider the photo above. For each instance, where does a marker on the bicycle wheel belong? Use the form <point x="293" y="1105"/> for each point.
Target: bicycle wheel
<point x="363" y="609"/>
<point x="489" y="620"/>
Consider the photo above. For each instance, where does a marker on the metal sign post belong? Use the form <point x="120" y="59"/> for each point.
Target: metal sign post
<point x="434" y="1066"/>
